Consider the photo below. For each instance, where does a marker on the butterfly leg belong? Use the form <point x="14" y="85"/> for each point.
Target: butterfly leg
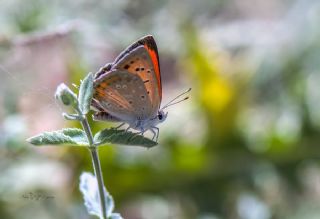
<point x="157" y="130"/>
<point x="154" y="133"/>
<point x="137" y="133"/>
<point x="140" y="133"/>
<point x="129" y="127"/>
<point x="158" y="133"/>
<point x="119" y="126"/>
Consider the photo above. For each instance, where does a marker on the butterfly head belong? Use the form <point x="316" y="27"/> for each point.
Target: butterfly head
<point x="162" y="116"/>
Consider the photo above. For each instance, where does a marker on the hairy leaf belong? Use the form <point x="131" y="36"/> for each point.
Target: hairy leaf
<point x="85" y="93"/>
<point x="68" y="136"/>
<point x="90" y="192"/>
<point x="114" y="136"/>
<point x="115" y="216"/>
<point x="66" y="96"/>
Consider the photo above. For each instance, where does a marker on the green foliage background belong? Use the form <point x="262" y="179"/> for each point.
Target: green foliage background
<point x="246" y="145"/>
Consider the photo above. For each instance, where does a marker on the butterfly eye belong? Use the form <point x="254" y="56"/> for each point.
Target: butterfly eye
<point x="160" y="116"/>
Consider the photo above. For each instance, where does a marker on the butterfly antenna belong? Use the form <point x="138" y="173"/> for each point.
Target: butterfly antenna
<point x="175" y="103"/>
<point x="171" y="102"/>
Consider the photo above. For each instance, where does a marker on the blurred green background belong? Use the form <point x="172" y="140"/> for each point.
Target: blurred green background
<point x="245" y="146"/>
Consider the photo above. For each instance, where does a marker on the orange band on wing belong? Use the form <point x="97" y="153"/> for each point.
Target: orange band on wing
<point x="154" y="58"/>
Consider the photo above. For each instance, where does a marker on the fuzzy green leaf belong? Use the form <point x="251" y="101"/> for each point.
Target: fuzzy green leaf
<point x="85" y="94"/>
<point x="66" y="96"/>
<point x="114" y="136"/>
<point x="68" y="136"/>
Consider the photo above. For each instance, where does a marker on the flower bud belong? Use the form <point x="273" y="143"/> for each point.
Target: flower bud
<point x="65" y="95"/>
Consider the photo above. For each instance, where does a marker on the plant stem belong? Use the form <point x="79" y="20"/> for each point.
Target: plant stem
<point x="96" y="165"/>
<point x="86" y="128"/>
<point x="98" y="174"/>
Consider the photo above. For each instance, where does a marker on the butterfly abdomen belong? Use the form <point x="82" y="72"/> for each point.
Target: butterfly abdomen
<point x="104" y="116"/>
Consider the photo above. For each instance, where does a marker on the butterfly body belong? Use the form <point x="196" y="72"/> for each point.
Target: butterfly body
<point x="129" y="89"/>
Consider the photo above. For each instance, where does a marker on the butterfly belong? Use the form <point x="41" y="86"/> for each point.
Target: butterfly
<point x="129" y="90"/>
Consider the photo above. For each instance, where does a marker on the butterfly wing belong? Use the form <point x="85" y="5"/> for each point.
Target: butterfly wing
<point x="100" y="114"/>
<point x="137" y="69"/>
<point x="122" y="95"/>
<point x="142" y="59"/>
